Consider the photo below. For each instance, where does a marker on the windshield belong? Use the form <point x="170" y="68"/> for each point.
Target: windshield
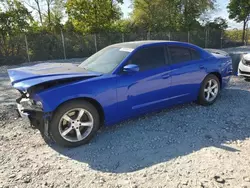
<point x="106" y="60"/>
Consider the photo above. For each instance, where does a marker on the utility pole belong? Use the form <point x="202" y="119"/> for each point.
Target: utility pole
<point x="247" y="29"/>
<point x="27" y="47"/>
<point x="247" y="38"/>
<point x="221" y="39"/>
<point x="63" y="44"/>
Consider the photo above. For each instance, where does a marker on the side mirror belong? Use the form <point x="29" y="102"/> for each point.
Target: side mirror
<point x="131" y="68"/>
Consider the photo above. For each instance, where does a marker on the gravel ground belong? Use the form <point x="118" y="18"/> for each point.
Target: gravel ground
<point x="185" y="146"/>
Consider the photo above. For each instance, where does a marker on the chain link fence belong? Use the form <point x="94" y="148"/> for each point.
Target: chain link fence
<point x="47" y="46"/>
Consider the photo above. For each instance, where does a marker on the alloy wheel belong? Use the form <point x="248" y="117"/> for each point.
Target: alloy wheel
<point x="76" y="124"/>
<point x="211" y="90"/>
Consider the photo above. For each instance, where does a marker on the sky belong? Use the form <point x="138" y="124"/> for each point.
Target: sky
<point x="220" y="11"/>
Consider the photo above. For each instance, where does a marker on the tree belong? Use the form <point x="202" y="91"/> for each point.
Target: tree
<point x="55" y="15"/>
<point x="217" y="24"/>
<point x="58" y="10"/>
<point x="123" y="26"/>
<point x="144" y="14"/>
<point x="234" y="35"/>
<point x="170" y="15"/>
<point x="14" y="20"/>
<point x="93" y="16"/>
<point x="38" y="5"/>
<point x="35" y="5"/>
<point x="49" y="11"/>
<point x="239" y="10"/>
<point x="49" y="4"/>
<point x="192" y="9"/>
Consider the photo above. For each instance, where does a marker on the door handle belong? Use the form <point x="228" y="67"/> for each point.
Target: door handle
<point x="202" y="67"/>
<point x="165" y="76"/>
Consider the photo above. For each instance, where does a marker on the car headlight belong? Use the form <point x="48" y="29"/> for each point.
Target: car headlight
<point x="243" y="61"/>
<point x="39" y="104"/>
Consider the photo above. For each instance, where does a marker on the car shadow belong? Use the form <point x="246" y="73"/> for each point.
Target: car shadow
<point x="159" y="137"/>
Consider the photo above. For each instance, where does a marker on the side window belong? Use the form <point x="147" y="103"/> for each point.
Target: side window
<point x="195" y="54"/>
<point x="149" y="58"/>
<point x="179" y="54"/>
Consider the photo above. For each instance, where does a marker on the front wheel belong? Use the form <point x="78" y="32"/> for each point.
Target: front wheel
<point x="74" y="123"/>
<point x="209" y="90"/>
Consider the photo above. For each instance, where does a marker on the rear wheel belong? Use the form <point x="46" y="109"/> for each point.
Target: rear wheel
<point x="209" y="90"/>
<point x="74" y="123"/>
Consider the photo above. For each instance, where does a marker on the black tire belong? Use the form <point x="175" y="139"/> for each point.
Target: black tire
<point x="58" y="114"/>
<point x="202" y="98"/>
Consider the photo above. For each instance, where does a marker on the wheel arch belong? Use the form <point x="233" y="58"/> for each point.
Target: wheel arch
<point x="218" y="75"/>
<point x="92" y="101"/>
<point x="200" y="96"/>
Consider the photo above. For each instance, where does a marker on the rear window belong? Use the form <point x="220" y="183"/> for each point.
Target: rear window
<point x="179" y="54"/>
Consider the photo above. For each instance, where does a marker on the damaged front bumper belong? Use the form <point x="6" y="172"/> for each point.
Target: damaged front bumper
<point x="33" y="111"/>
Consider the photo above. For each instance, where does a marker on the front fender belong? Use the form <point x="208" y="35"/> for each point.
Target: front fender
<point x="102" y="90"/>
<point x="51" y="100"/>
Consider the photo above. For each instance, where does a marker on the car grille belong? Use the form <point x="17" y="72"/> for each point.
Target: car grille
<point x="243" y="72"/>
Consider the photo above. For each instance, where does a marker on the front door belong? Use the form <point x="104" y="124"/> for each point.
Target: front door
<point x="147" y="89"/>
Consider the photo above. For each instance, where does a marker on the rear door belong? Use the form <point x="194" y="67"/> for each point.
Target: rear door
<point x="187" y="72"/>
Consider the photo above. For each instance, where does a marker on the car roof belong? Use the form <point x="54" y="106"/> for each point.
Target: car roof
<point x="130" y="46"/>
<point x="136" y="44"/>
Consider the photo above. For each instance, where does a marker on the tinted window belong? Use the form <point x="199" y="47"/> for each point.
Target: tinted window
<point x="149" y="58"/>
<point x="195" y="54"/>
<point x="179" y="54"/>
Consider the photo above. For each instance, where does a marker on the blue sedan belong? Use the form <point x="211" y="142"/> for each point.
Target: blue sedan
<point x="69" y="103"/>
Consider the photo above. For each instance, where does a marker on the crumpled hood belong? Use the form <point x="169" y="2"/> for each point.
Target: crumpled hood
<point x="25" y="77"/>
